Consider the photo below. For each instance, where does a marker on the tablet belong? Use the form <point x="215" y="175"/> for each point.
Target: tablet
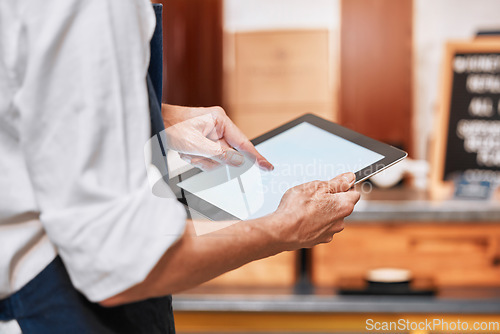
<point x="306" y="149"/>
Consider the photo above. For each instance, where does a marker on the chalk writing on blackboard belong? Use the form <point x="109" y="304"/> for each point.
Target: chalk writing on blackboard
<point x="473" y="146"/>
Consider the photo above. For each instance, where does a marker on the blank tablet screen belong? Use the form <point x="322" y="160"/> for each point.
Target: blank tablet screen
<point x="300" y="154"/>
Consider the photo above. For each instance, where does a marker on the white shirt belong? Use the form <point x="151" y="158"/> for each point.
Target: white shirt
<point x="74" y="119"/>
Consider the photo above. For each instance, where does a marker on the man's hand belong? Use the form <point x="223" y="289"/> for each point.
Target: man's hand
<point x="206" y="137"/>
<point x="308" y="214"/>
<point x="313" y="212"/>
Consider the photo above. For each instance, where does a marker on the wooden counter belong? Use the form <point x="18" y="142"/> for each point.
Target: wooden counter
<point x="453" y="245"/>
<point x="205" y="310"/>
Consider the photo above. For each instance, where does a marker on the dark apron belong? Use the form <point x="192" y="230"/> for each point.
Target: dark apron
<point x="49" y="304"/>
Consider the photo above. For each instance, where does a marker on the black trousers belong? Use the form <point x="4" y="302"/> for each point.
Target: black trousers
<point x="49" y="304"/>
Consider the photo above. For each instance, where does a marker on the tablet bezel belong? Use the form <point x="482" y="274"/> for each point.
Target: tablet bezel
<point x="391" y="155"/>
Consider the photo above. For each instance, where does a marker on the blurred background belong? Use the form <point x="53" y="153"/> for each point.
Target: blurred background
<point x="383" y="68"/>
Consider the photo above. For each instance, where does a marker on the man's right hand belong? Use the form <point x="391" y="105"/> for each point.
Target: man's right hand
<point x="311" y="213"/>
<point x="308" y="214"/>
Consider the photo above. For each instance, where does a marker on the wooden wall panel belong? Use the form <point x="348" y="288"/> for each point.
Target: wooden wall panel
<point x="192" y="38"/>
<point x="376" y="69"/>
<point x="274" y="76"/>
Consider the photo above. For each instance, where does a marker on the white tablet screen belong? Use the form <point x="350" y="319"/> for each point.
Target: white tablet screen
<point x="300" y="154"/>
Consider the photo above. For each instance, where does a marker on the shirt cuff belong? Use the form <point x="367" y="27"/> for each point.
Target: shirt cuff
<point x="109" y="247"/>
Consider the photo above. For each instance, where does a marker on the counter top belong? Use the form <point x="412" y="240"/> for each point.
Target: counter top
<point x="468" y="301"/>
<point x="406" y="205"/>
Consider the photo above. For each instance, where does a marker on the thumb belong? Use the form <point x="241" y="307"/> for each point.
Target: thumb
<point x="342" y="182"/>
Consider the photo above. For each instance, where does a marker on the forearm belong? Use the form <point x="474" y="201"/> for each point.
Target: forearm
<point x="307" y="215"/>
<point x="197" y="259"/>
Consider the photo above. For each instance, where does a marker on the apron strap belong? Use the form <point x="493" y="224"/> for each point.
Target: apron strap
<point x="155" y="74"/>
<point x="6" y="311"/>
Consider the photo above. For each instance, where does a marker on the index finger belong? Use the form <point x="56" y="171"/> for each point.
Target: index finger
<point x="236" y="138"/>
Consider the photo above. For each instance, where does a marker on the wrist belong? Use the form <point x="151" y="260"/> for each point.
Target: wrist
<point x="282" y="228"/>
<point x="173" y="114"/>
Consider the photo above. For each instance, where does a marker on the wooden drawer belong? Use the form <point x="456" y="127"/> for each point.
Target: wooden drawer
<point x="449" y="254"/>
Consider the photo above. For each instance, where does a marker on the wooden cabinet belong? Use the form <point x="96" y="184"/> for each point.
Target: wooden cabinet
<point x="443" y="254"/>
<point x="448" y="254"/>
<point x="462" y="259"/>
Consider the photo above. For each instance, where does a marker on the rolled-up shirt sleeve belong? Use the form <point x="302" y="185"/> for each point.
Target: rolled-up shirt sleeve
<point x="84" y="117"/>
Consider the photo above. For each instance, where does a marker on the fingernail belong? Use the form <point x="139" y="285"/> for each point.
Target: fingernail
<point x="235" y="158"/>
<point x="350" y="177"/>
<point x="265" y="165"/>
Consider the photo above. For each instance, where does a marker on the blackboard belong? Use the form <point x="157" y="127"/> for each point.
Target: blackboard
<point x="467" y="135"/>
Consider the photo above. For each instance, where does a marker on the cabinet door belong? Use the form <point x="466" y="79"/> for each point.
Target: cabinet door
<point x="376" y="69"/>
<point x="192" y="38"/>
<point x="448" y="254"/>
